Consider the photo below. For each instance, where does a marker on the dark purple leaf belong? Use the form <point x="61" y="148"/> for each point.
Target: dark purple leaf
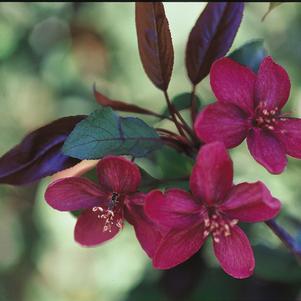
<point x="211" y="37"/>
<point x="39" y="154"/>
<point x="154" y="42"/>
<point x="120" y="105"/>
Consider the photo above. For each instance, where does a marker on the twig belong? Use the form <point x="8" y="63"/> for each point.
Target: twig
<point x="175" y="136"/>
<point x="285" y="237"/>
<point x="177" y="144"/>
<point x="174" y="113"/>
<point x="171" y="110"/>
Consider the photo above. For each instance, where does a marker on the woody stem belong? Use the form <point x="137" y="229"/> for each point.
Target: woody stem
<point x="285" y="237"/>
<point x="175" y="114"/>
<point x="171" y="110"/>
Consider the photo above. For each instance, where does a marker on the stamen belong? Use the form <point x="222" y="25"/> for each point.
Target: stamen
<point x="217" y="225"/>
<point x="109" y="214"/>
<point x="233" y="222"/>
<point x="206" y="233"/>
<point x="260" y="120"/>
<point x="94" y="209"/>
<point x="265" y="118"/>
<point x="265" y="112"/>
<point x="216" y="239"/>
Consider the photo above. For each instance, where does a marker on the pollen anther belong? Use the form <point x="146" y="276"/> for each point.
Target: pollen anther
<point x="217" y="225"/>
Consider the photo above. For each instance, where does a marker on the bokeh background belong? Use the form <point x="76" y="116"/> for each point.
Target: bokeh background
<point x="51" y="54"/>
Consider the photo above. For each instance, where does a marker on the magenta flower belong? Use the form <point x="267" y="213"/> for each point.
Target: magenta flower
<point x="249" y="106"/>
<point x="105" y="205"/>
<point x="213" y="208"/>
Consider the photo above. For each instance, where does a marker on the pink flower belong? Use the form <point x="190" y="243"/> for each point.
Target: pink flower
<point x="213" y="208"/>
<point x="249" y="106"/>
<point x="105" y="205"/>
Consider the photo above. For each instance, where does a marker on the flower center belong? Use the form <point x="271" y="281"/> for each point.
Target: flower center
<point x="217" y="225"/>
<point x="111" y="215"/>
<point x="266" y="118"/>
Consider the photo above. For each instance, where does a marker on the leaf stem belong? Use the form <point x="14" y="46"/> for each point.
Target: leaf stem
<point x="173" y="135"/>
<point x="285" y="237"/>
<point x="149" y="112"/>
<point x="171" y="110"/>
<point x="174" y="114"/>
<point x="177" y="144"/>
<point x="193" y="107"/>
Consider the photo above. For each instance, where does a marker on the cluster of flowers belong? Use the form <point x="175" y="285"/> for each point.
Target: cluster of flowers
<point x="172" y="226"/>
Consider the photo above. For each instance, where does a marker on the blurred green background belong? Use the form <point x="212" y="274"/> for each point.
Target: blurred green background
<point x="51" y="54"/>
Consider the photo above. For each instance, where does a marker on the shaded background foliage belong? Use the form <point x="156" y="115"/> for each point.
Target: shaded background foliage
<point x="51" y="54"/>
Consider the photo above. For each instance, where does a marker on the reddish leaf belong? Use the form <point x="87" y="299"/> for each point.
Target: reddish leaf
<point x="211" y="37"/>
<point x="39" y="154"/>
<point x="154" y="42"/>
<point x="120" y="105"/>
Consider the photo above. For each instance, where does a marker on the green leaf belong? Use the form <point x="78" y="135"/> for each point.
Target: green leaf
<point x="173" y="165"/>
<point x="250" y="54"/>
<point x="182" y="102"/>
<point x="276" y="265"/>
<point x="76" y="213"/>
<point x="170" y="169"/>
<point x="105" y="133"/>
<point x="148" y="182"/>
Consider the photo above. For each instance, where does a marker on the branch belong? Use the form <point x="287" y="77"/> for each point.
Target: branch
<point x="174" y="113"/>
<point x="175" y="136"/>
<point x="171" y="110"/>
<point x="285" y="237"/>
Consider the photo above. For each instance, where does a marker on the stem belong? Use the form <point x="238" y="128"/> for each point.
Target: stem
<point x="175" y="136"/>
<point x="285" y="237"/>
<point x="149" y="112"/>
<point x="193" y="108"/>
<point x="171" y="110"/>
<point x="177" y="144"/>
<point x="174" y="113"/>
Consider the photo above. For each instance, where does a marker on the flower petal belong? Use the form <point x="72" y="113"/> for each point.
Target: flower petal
<point x="174" y="209"/>
<point x="235" y="254"/>
<point x="89" y="229"/>
<point x="267" y="150"/>
<point x="233" y="83"/>
<point x="212" y="175"/>
<point x="74" y="193"/>
<point x="250" y="202"/>
<point x="272" y="84"/>
<point x="222" y="122"/>
<point x="178" y="246"/>
<point x="288" y="130"/>
<point x="118" y="174"/>
<point x="147" y="232"/>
